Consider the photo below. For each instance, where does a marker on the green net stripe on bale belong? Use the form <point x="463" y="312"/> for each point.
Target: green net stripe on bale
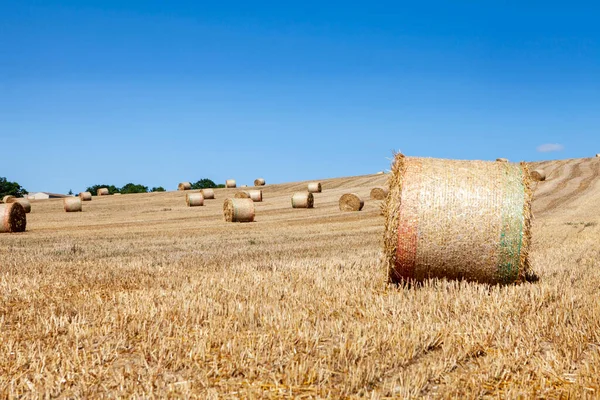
<point x="457" y="220"/>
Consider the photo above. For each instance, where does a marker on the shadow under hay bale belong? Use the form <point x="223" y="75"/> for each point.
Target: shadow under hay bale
<point x="303" y="200"/>
<point x="72" y="204"/>
<point x="351" y="202"/>
<point x="194" y="199"/>
<point x="184" y="186"/>
<point x="238" y="210"/>
<point x="12" y="218"/>
<point x="379" y="193"/>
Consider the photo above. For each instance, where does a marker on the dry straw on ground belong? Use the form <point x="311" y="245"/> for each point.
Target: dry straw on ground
<point x="457" y="219"/>
<point x="85" y="196"/>
<point x="184" y="186"/>
<point x="72" y="204"/>
<point x="303" y="200"/>
<point x="230" y="183"/>
<point x="242" y="194"/>
<point x="379" y="193"/>
<point x="538" y="175"/>
<point x="256" y="195"/>
<point x="238" y="210"/>
<point x="102" y="192"/>
<point x="351" y="202"/>
<point x="12" y="218"/>
<point x="194" y="199"/>
<point x="7" y="198"/>
<point x="208" y="194"/>
<point x="314" y="187"/>
<point x="23" y="201"/>
<point x="259" y="182"/>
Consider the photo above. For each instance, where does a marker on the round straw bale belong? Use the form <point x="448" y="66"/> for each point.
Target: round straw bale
<point x="303" y="200"/>
<point x="242" y="194"/>
<point x="351" y="202"/>
<point x="314" y="187"/>
<point x="598" y="155"/>
<point x="194" y="199"/>
<point x="458" y="220"/>
<point x="208" y="193"/>
<point x="379" y="193"/>
<point x="102" y="192"/>
<point x="255" y="195"/>
<point x="259" y="182"/>
<point x="72" y="204"/>
<point x="184" y="186"/>
<point x="380" y="173"/>
<point x="238" y="210"/>
<point x="230" y="183"/>
<point x="502" y="159"/>
<point x="117" y="194"/>
<point x="85" y="196"/>
<point x="23" y="201"/>
<point x="12" y="218"/>
<point x="6" y="198"/>
<point x="538" y="175"/>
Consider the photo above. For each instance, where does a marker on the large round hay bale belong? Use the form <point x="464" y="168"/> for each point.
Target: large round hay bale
<point x="379" y="193"/>
<point x="598" y="155"/>
<point x="230" y="183"/>
<point x="242" y="194"/>
<point x="256" y="195"/>
<point x="502" y="159"/>
<point x="194" y="199"/>
<point x="314" y="187"/>
<point x="259" y="182"/>
<point x="208" y="193"/>
<point x="351" y="202"/>
<point x="23" y="201"/>
<point x="184" y="186"/>
<point x="458" y="220"/>
<point x="12" y="218"/>
<point x="538" y="175"/>
<point x="85" y="196"/>
<point x="238" y="210"/>
<point x="7" y="198"/>
<point x="303" y="200"/>
<point x="72" y="204"/>
<point x="102" y="192"/>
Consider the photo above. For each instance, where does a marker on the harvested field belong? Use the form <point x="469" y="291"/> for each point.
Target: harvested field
<point x="143" y="296"/>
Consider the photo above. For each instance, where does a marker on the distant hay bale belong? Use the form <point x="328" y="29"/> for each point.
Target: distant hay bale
<point x="314" y="187"/>
<point x="457" y="220"/>
<point x="598" y="155"/>
<point x="230" y="183"/>
<point x="502" y="159"/>
<point x="303" y="200"/>
<point x="380" y="173"/>
<point x="117" y="194"/>
<point x="259" y="182"/>
<point x="72" y="204"/>
<point x="379" y="193"/>
<point x="85" y="196"/>
<point x="7" y="198"/>
<point x="256" y="195"/>
<point x="194" y="199"/>
<point x="244" y="186"/>
<point x="208" y="193"/>
<point x="351" y="202"/>
<point x="538" y="175"/>
<point x="238" y="210"/>
<point x="23" y="201"/>
<point x="184" y="186"/>
<point x="12" y="218"/>
<point x="102" y="192"/>
<point x="242" y="194"/>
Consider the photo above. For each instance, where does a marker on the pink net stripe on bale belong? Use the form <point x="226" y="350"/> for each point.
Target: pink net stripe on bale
<point x="457" y="220"/>
<point x="12" y="218"/>
<point x="85" y="196"/>
<point x="194" y="199"/>
<point x="22" y="201"/>
<point x="230" y="183"/>
<point x="303" y="200"/>
<point x="102" y="192"/>
<point x="72" y="204"/>
<point x="314" y="187"/>
<point x="238" y="210"/>
<point x="184" y="186"/>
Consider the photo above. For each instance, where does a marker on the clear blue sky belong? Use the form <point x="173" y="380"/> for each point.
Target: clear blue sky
<point x="157" y="92"/>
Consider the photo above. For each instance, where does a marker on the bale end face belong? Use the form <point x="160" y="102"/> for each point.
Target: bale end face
<point x="242" y="195"/>
<point x="238" y="210"/>
<point x="12" y="218"/>
<point x="303" y="200"/>
<point x="184" y="186"/>
<point x="351" y="202"/>
<point x="314" y="187"/>
<point x="379" y="193"/>
<point x="72" y="204"/>
<point x="259" y="182"/>
<point x="194" y="199"/>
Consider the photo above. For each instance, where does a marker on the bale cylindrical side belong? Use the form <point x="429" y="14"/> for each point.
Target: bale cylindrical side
<point x="102" y="192"/>
<point x="379" y="193"/>
<point x="7" y="198"/>
<point x="351" y="202"/>
<point x="314" y="187"/>
<point x="242" y="194"/>
<point x="538" y="175"/>
<point x="208" y="193"/>
<point x="259" y="182"/>
<point x="194" y="199"/>
<point x="72" y="204"/>
<point x="303" y="200"/>
<point x="184" y="186"/>
<point x="23" y="201"/>
<point x="12" y="218"/>
<point x="238" y="210"/>
<point x="230" y="183"/>
<point x="256" y="195"/>
<point x="502" y="159"/>
<point x="458" y="220"/>
<point x="85" y="196"/>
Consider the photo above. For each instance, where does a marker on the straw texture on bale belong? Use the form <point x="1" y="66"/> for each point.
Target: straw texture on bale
<point x="238" y="210"/>
<point x="230" y="183"/>
<point x="23" y="201"/>
<point x="457" y="220"/>
<point x="194" y="199"/>
<point x="12" y="218"/>
<point x="6" y="199"/>
<point x="102" y="192"/>
<point x="255" y="195"/>
<point x="85" y="196"/>
<point x="314" y="187"/>
<point x="208" y="193"/>
<point x="259" y="182"/>
<point x="351" y="202"/>
<point x="242" y="195"/>
<point x="538" y="175"/>
<point x="303" y="200"/>
<point x="379" y="193"/>
<point x="502" y="159"/>
<point x="72" y="204"/>
<point x="184" y="186"/>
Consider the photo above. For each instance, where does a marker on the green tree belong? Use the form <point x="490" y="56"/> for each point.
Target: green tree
<point x="204" y="184"/>
<point x="158" y="189"/>
<point x="11" y="188"/>
<point x="134" y="188"/>
<point x="112" y="189"/>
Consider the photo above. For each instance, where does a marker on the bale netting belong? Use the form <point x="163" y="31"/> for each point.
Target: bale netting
<point x="259" y="182"/>
<point x="6" y="199"/>
<point x="351" y="202"/>
<point x="72" y="204"/>
<point x="538" y="175"/>
<point x="102" y="192"/>
<point x="238" y="210"/>
<point x="502" y="159"/>
<point x="85" y="196"/>
<point x="230" y="183"/>
<point x="184" y="186"/>
<point x="303" y="200"/>
<point x="379" y="193"/>
<point x="23" y="201"/>
<point x="12" y="218"/>
<point x="208" y="193"/>
<point x="242" y="194"/>
<point x="314" y="187"/>
<point x="255" y="195"/>
<point x="455" y="219"/>
<point x="194" y="199"/>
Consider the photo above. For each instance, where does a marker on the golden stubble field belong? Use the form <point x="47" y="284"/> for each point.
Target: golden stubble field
<point x="141" y="296"/>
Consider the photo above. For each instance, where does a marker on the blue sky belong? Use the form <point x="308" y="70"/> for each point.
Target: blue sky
<point x="157" y="92"/>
